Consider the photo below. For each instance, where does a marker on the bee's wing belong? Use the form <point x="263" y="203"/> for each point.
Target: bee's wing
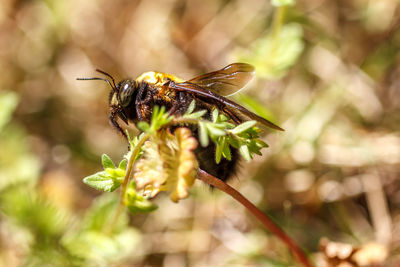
<point x="227" y="80"/>
<point x="210" y="95"/>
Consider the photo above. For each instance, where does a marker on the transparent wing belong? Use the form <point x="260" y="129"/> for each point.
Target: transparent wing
<point x="226" y="81"/>
<point x="233" y="107"/>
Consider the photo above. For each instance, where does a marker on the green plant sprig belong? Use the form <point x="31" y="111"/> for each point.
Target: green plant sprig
<point x="224" y="134"/>
<point x="219" y="130"/>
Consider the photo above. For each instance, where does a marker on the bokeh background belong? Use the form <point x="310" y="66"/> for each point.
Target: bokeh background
<point x="327" y="71"/>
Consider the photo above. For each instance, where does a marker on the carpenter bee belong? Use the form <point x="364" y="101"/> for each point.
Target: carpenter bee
<point x="133" y="101"/>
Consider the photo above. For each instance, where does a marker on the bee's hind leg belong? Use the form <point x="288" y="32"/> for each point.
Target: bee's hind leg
<point x="181" y="104"/>
<point x="231" y="115"/>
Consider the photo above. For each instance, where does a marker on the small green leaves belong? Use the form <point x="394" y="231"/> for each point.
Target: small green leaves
<point x="107" y="162"/>
<point x="196" y="115"/>
<point x="143" y="126"/>
<point x="203" y="134"/>
<point x="158" y="120"/>
<point x="102" y="181"/>
<point x="243" y="127"/>
<point x="122" y="164"/>
<point x="137" y="202"/>
<point x="109" y="179"/>
<point x="225" y="134"/>
<point x="244" y="151"/>
<point x="133" y="142"/>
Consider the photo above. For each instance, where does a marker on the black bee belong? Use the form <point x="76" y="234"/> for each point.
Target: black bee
<point x="133" y="101"/>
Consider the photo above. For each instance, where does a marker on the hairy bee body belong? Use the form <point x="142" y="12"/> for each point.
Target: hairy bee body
<point x="133" y="101"/>
<point x="157" y="93"/>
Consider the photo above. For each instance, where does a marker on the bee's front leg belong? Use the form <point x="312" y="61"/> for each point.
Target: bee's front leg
<point x="143" y="99"/>
<point x="113" y="121"/>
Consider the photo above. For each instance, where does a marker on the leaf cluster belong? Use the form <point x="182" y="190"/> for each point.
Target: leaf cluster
<point x="112" y="177"/>
<point x="225" y="134"/>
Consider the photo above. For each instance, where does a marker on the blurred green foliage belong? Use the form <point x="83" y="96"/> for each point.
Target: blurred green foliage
<point x="50" y="234"/>
<point x="273" y="54"/>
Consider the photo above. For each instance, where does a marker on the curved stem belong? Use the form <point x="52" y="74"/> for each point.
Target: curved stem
<point x="125" y="183"/>
<point x="264" y="219"/>
<point x="278" y="20"/>
<point x="132" y="160"/>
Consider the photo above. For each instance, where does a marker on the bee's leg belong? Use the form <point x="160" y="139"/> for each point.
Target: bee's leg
<point x="114" y="123"/>
<point x="181" y="104"/>
<point x="141" y="101"/>
<point x="231" y="115"/>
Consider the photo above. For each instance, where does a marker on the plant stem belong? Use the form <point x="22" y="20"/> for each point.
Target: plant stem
<point x="279" y="18"/>
<point x="179" y="120"/>
<point x="263" y="218"/>
<point x="125" y="183"/>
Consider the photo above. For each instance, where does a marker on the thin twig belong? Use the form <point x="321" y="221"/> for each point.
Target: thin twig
<point x="125" y="183"/>
<point x="264" y="219"/>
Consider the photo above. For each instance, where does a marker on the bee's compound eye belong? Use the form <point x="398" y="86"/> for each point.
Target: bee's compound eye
<point x="125" y="93"/>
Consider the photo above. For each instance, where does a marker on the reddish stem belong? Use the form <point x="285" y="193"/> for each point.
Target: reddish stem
<point x="272" y="227"/>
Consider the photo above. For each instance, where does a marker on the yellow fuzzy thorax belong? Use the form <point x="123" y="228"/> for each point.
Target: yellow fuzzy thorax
<point x="158" y="78"/>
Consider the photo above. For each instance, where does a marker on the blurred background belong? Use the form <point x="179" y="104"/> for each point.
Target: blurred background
<point x="327" y="72"/>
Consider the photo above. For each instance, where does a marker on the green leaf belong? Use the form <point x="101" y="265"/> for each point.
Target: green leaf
<point x="115" y="173"/>
<point x="122" y="164"/>
<point x="103" y="181"/>
<point x="214" y="130"/>
<point x="260" y="143"/>
<point x="191" y="107"/>
<point x="133" y="143"/>
<point x="203" y="136"/>
<point x="159" y="118"/>
<point x="218" y="153"/>
<point x="233" y="142"/>
<point x="215" y="115"/>
<point x="244" y="151"/>
<point x="143" y="126"/>
<point x="243" y="127"/>
<point x="226" y="151"/>
<point x="141" y="205"/>
<point x="107" y="162"/>
<point x="222" y="118"/>
<point x="196" y="115"/>
<point x="137" y="203"/>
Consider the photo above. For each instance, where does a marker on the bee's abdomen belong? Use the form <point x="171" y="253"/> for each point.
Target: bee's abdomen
<point x="223" y="170"/>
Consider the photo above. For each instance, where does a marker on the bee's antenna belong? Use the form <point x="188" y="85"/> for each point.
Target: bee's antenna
<point x="101" y="79"/>
<point x="105" y="73"/>
<point x="113" y="86"/>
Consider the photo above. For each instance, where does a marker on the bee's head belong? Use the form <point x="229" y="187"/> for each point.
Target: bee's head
<point x="121" y="93"/>
<point x="124" y="91"/>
